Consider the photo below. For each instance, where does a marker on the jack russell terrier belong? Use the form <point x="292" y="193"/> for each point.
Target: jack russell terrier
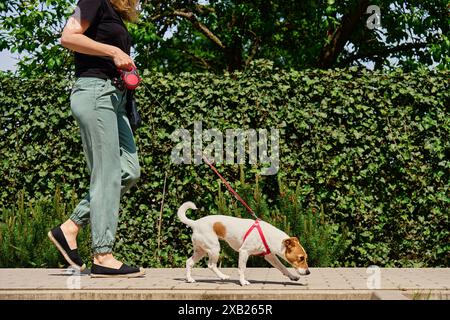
<point x="239" y="233"/>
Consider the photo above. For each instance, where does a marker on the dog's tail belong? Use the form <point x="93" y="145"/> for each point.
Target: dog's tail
<point x="182" y="213"/>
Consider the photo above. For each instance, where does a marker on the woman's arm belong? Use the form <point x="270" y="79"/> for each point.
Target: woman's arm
<point x="73" y="38"/>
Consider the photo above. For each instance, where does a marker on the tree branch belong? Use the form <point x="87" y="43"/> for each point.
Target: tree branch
<point x="202" y="9"/>
<point x="384" y="52"/>
<point x="202" y="61"/>
<point x="339" y="38"/>
<point x="254" y="48"/>
<point x="190" y="16"/>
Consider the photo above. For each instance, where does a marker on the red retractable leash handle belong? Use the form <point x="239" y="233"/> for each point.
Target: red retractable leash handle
<point x="131" y="78"/>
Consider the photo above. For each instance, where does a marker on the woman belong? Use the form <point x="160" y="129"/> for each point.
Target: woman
<point x="101" y="42"/>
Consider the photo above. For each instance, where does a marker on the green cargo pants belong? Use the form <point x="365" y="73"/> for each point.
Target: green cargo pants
<point x="99" y="109"/>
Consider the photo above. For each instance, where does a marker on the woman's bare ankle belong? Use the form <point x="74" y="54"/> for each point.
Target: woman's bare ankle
<point x="70" y="230"/>
<point x="70" y="227"/>
<point x="107" y="260"/>
<point x="101" y="258"/>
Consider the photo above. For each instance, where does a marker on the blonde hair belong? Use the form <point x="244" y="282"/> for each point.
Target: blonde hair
<point x="127" y="9"/>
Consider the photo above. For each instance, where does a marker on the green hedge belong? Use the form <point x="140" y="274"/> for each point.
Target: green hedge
<point x="371" y="148"/>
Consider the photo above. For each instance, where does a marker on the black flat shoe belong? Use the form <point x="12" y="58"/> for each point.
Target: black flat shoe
<point x="72" y="257"/>
<point x="123" y="272"/>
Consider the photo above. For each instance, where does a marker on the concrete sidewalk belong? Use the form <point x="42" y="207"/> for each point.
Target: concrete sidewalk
<point x="266" y="284"/>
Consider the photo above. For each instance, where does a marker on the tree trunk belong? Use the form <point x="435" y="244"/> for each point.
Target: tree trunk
<point x="233" y="56"/>
<point x="339" y="38"/>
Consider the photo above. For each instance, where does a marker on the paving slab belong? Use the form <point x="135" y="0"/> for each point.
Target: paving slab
<point x="266" y="284"/>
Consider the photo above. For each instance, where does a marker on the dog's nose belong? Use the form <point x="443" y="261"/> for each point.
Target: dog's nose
<point x="307" y="271"/>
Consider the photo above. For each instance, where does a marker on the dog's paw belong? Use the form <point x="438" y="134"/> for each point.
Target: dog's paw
<point x="224" y="277"/>
<point x="294" y="278"/>
<point x="244" y="282"/>
<point x="190" y="280"/>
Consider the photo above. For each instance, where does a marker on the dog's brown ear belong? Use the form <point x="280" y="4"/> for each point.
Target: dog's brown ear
<point x="289" y="242"/>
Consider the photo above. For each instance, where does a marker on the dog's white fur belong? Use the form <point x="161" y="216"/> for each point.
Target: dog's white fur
<point x="208" y="230"/>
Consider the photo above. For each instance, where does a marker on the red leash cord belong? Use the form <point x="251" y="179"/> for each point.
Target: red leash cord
<point x="254" y="225"/>
<point x="230" y="188"/>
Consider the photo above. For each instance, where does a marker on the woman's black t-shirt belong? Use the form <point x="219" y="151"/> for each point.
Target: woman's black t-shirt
<point x="106" y="26"/>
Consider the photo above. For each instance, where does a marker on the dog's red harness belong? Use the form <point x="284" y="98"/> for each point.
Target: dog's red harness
<point x="261" y="234"/>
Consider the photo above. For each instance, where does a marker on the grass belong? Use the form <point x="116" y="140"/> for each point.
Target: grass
<point x="23" y="232"/>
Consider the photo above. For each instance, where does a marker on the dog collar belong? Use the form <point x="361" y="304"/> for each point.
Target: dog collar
<point x="261" y="234"/>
